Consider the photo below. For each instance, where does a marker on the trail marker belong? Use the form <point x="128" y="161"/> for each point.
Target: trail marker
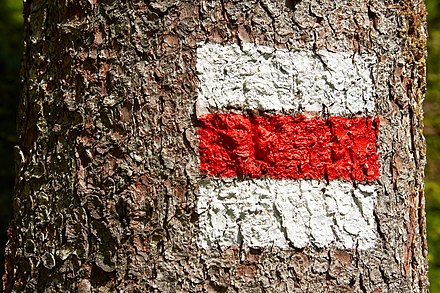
<point x="278" y="172"/>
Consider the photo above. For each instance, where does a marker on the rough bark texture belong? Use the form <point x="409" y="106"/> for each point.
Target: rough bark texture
<point x="108" y="165"/>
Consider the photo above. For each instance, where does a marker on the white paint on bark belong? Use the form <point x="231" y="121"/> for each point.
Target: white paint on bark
<point x="254" y="77"/>
<point x="282" y="213"/>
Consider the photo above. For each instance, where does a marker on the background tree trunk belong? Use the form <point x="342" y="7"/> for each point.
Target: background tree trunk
<point x="108" y="167"/>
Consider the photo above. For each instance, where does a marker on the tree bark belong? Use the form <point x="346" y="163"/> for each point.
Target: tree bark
<point x="108" y="157"/>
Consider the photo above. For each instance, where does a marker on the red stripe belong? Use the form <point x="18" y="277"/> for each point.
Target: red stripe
<point x="286" y="147"/>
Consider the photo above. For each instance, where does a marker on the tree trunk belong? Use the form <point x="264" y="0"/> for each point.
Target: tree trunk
<point x="114" y="191"/>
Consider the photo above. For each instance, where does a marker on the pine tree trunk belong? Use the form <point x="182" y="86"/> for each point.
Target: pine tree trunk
<point x="108" y="164"/>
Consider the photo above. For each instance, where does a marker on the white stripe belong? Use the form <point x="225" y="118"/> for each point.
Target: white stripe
<point x="258" y="77"/>
<point x="282" y="213"/>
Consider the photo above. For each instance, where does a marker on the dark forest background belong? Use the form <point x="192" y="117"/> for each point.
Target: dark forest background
<point x="11" y="36"/>
<point x="11" y="39"/>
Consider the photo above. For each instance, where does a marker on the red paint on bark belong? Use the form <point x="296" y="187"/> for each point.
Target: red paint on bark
<point x="286" y="147"/>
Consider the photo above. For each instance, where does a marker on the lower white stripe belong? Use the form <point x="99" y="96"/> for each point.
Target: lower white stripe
<point x="269" y="212"/>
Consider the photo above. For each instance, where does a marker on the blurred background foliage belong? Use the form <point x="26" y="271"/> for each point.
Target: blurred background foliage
<point x="432" y="134"/>
<point x="11" y="35"/>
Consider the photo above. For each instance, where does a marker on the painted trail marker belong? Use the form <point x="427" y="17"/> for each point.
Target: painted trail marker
<point x="286" y="179"/>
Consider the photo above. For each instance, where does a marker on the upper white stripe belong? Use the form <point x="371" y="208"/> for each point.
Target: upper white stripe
<point x="263" y="78"/>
